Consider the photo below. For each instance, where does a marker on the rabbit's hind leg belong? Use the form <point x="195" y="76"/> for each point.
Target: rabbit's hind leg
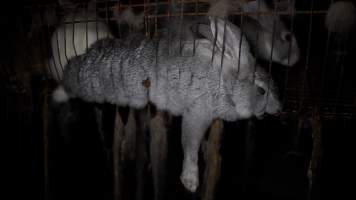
<point x="193" y="130"/>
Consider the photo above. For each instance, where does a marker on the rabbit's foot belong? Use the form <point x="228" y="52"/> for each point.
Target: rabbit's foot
<point x="190" y="178"/>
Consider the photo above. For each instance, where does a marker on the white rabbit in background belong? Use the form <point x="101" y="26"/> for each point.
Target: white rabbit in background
<point x="273" y="35"/>
<point x="79" y="29"/>
<point x="341" y="17"/>
<point x="284" y="47"/>
<point x="127" y="16"/>
<point x="186" y="84"/>
<point x="77" y="32"/>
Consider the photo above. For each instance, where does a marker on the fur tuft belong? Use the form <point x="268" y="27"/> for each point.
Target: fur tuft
<point x="60" y="95"/>
<point x="219" y="8"/>
<point x="222" y="8"/>
<point x="130" y="18"/>
<point x="341" y="17"/>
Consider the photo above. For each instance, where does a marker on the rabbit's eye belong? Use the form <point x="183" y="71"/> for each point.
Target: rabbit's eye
<point x="261" y="91"/>
<point x="287" y="36"/>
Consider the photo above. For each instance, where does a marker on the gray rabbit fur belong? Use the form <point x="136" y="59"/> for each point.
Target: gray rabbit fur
<point x="274" y="38"/>
<point x="184" y="83"/>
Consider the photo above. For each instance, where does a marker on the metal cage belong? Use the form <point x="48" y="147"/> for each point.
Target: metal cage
<point x="318" y="92"/>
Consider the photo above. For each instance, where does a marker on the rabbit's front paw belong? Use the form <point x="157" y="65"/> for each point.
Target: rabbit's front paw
<point x="190" y="178"/>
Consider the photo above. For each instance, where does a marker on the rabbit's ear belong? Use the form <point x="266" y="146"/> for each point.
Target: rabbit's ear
<point x="226" y="36"/>
<point x="228" y="39"/>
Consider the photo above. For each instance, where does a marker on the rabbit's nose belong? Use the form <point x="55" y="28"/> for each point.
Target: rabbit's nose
<point x="287" y="36"/>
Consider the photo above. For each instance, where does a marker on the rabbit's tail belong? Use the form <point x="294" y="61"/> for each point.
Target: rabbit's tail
<point x="60" y="95"/>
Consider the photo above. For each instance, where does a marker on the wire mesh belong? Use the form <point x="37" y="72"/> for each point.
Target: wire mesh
<point x="321" y="80"/>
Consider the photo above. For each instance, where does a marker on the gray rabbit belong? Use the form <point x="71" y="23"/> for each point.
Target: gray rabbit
<point x="260" y="26"/>
<point x="267" y="34"/>
<point x="195" y="85"/>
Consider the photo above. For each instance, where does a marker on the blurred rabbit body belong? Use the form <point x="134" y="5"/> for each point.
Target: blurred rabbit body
<point x="73" y="37"/>
<point x="267" y="34"/>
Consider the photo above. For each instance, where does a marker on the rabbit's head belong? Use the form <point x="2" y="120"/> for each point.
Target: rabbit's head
<point x="250" y="98"/>
<point x="266" y="99"/>
<point x="268" y="35"/>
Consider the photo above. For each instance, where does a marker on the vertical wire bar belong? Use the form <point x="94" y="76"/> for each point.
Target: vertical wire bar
<point x="249" y="151"/>
<point x="73" y="33"/>
<point x="271" y="55"/>
<point x="215" y="39"/>
<point x="284" y="101"/>
<point x="86" y="28"/>
<point x="52" y="52"/>
<point x="116" y="146"/>
<point x="316" y="151"/>
<point x="324" y="66"/>
<point x="257" y="39"/>
<point x="308" y="55"/>
<point x="156" y="18"/>
<point x="49" y="50"/>
<point x="96" y="20"/>
<point x="118" y="24"/>
<point x="156" y="34"/>
<point x="181" y="34"/>
<point x="195" y="18"/>
<point x="170" y="7"/>
<point x="58" y="52"/>
<point x="107" y="17"/>
<point x="169" y="27"/>
<point x="251" y="132"/>
<point x="310" y="180"/>
<point x="344" y="50"/>
<point x="222" y="51"/>
<point x="240" y="44"/>
<point x="141" y="152"/>
<point x="41" y="46"/>
<point x="65" y="41"/>
<point x="302" y="99"/>
<point x="130" y="27"/>
<point x="146" y="19"/>
<point x="45" y="144"/>
<point x="26" y="56"/>
<point x="45" y="136"/>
